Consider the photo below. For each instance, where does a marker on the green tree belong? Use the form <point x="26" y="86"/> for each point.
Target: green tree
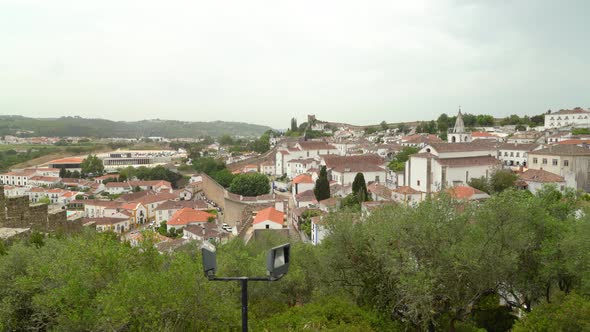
<point x="294" y="124"/>
<point x="480" y="183"/>
<point x="568" y="313"/>
<point x="398" y="163"/>
<point x="92" y="165"/>
<point x="321" y="189"/>
<point x="442" y="123"/>
<point x="403" y="128"/>
<point x="254" y="184"/>
<point x="226" y="140"/>
<point x="501" y="180"/>
<point x="44" y="200"/>
<point x="224" y="177"/>
<point x="580" y="131"/>
<point x="384" y="125"/>
<point x="208" y="165"/>
<point x="359" y="188"/>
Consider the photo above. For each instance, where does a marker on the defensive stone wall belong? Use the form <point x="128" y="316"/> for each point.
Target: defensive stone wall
<point x="16" y="212"/>
<point x="233" y="209"/>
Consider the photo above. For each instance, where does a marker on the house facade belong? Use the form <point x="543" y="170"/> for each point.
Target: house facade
<point x="577" y="117"/>
<point x="572" y="162"/>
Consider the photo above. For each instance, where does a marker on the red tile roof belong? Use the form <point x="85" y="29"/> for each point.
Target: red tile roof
<point x="577" y="110"/>
<point x="269" y="214"/>
<point x="187" y="215"/>
<point x="481" y="134"/>
<point x="359" y="163"/>
<point x="421" y="138"/>
<point x="316" y="145"/>
<point x="573" y="141"/>
<point x="44" y="178"/>
<point x="406" y="190"/>
<point x="469" y="161"/>
<point x="71" y="160"/>
<point x="479" y="145"/>
<point x="464" y="192"/>
<point x="562" y="150"/>
<point x="303" y="178"/>
<point x="539" y="175"/>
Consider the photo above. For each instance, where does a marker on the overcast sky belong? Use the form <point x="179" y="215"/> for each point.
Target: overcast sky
<point x="266" y="61"/>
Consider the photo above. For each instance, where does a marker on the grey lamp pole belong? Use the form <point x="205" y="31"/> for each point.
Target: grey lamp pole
<point x="277" y="265"/>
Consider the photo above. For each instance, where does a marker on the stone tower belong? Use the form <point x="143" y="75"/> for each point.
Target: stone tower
<point x="458" y="133"/>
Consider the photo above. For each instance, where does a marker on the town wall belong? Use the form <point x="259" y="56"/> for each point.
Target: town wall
<point x="16" y="212"/>
<point x="234" y="211"/>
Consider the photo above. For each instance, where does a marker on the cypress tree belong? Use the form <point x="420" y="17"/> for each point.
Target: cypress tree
<point x="359" y="188"/>
<point x="322" y="185"/>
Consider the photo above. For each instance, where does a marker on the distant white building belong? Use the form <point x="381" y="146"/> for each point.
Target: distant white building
<point x="514" y="154"/>
<point x="577" y="117"/>
<point x="302" y="150"/>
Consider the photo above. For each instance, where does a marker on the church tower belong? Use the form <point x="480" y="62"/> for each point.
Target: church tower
<point x="458" y="133"/>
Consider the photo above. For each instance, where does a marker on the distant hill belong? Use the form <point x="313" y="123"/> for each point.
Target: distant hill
<point x="77" y="126"/>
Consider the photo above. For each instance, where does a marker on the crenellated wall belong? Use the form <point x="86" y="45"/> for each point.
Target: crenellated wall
<point x="16" y="212"/>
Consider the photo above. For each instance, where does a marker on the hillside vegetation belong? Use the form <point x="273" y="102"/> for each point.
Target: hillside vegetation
<point x="441" y="266"/>
<point x="77" y="126"/>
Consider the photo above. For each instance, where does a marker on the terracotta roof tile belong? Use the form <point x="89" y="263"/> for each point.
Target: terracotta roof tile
<point x="187" y="215"/>
<point x="270" y="214"/>
<point x="562" y="150"/>
<point x="303" y="178"/>
<point x="539" y="175"/>
<point x="469" y="161"/>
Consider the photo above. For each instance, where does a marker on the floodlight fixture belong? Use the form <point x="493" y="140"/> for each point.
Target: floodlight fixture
<point x="277" y="265"/>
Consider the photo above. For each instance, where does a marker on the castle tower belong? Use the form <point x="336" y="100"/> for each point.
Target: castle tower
<point x="458" y="133"/>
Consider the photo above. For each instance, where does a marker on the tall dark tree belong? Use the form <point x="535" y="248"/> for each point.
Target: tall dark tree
<point x="359" y="188"/>
<point x="293" y="124"/>
<point x="322" y="185"/>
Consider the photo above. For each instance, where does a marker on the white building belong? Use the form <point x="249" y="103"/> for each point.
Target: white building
<point x="577" y="117"/>
<point x="343" y="169"/>
<point x="572" y="162"/>
<point x="297" y="167"/>
<point x="302" y="150"/>
<point x="269" y="218"/>
<point x="443" y="165"/>
<point x="535" y="179"/>
<point x="514" y="154"/>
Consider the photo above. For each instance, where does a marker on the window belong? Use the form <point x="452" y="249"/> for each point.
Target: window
<point x="566" y="163"/>
<point x="518" y="154"/>
<point x="554" y="161"/>
<point x="505" y="154"/>
<point x="535" y="160"/>
<point x="544" y="161"/>
<point x="418" y="182"/>
<point x="267" y="226"/>
<point x="376" y="178"/>
<point x="511" y="154"/>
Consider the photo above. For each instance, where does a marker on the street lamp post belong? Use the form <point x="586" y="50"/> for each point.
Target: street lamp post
<point x="277" y="265"/>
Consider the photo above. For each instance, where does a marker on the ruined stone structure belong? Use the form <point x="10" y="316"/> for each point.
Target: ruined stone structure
<point x="15" y="212"/>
